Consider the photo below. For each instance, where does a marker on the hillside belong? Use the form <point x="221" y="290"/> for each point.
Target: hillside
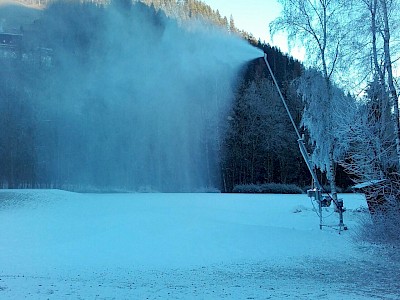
<point x="116" y="98"/>
<point x="178" y="10"/>
<point x="15" y="16"/>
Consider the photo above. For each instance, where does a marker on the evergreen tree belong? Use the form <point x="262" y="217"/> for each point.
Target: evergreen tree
<point x="232" y="27"/>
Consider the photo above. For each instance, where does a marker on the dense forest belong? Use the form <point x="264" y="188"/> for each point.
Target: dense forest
<point x="72" y="120"/>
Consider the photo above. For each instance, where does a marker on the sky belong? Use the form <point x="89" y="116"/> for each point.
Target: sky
<point x="250" y="15"/>
<point x="254" y="16"/>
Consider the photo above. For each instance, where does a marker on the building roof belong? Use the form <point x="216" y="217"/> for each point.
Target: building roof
<point x="368" y="184"/>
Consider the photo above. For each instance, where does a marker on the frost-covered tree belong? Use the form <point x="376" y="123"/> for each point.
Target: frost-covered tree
<point x="373" y="47"/>
<point x="317" y="25"/>
<point x="385" y="6"/>
<point x="325" y="131"/>
<point x="368" y="134"/>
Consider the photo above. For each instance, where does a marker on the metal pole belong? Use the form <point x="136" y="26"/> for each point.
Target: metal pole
<point x="283" y="99"/>
<point x="319" y="200"/>
<point x="300" y="139"/>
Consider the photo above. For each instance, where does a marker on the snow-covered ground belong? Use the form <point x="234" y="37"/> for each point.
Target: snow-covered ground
<point x="62" y="245"/>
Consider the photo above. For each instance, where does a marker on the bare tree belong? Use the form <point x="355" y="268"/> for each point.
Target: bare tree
<point x="389" y="69"/>
<point x="372" y="46"/>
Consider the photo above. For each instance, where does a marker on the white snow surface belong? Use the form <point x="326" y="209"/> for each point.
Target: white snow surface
<point x="62" y="245"/>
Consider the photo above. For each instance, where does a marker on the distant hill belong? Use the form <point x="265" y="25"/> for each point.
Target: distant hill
<point x="181" y="10"/>
<point x="15" y="16"/>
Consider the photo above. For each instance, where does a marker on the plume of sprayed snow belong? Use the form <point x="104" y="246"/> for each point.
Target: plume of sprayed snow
<point x="147" y="110"/>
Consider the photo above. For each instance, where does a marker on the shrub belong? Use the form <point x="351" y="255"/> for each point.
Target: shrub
<point x="208" y="190"/>
<point x="380" y="227"/>
<point x="268" y="188"/>
<point x="247" y="188"/>
<point x="383" y="198"/>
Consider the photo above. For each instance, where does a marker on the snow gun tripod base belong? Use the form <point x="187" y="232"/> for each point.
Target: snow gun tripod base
<point x="326" y="201"/>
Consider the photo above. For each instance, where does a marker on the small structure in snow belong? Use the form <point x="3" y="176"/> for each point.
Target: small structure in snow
<point x="10" y="40"/>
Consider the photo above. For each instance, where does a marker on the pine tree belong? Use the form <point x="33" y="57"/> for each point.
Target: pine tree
<point x="232" y="27"/>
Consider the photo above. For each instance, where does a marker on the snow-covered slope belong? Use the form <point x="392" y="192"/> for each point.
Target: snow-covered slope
<point x="61" y="245"/>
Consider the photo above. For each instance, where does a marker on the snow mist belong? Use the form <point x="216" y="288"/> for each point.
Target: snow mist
<point x="145" y="114"/>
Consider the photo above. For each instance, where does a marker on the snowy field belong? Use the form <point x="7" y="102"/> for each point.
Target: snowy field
<point x="61" y="245"/>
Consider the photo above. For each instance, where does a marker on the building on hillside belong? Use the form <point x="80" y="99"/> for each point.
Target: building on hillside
<point x="10" y="40"/>
<point x="10" y="45"/>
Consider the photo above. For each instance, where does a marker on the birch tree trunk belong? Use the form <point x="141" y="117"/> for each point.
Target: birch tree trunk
<point x="384" y="103"/>
<point x="389" y="69"/>
<point x="332" y="171"/>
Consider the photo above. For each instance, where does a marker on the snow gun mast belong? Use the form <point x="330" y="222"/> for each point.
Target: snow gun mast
<point x="317" y="193"/>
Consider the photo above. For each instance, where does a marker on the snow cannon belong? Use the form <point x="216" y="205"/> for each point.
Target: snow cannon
<point x="317" y="193"/>
<point x="326" y="200"/>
